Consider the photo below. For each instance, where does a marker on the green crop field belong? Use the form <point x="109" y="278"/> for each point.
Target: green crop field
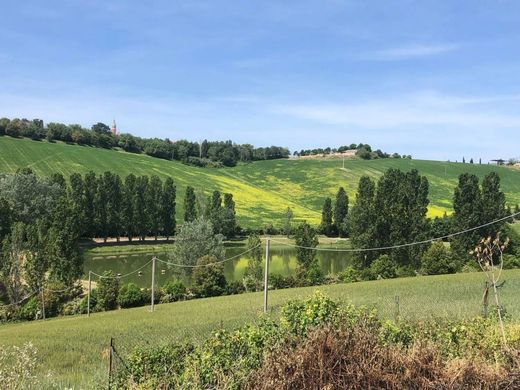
<point x="262" y="190"/>
<point x="75" y="348"/>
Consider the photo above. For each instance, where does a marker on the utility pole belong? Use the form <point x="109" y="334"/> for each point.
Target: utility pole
<point x="266" y="276"/>
<point x="153" y="283"/>
<point x="88" y="292"/>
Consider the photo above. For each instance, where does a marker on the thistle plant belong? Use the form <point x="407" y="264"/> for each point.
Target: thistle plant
<point x="489" y="254"/>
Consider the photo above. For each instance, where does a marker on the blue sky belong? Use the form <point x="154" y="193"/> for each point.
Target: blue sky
<point x="435" y="79"/>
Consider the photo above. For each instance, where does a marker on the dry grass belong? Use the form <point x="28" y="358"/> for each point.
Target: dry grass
<point x="354" y="358"/>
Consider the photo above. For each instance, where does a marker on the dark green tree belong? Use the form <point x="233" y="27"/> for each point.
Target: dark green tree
<point x="326" y="226"/>
<point x="5" y="219"/>
<point x="362" y="220"/>
<point x="104" y="183"/>
<point x="493" y="204"/>
<point x="100" y="128"/>
<point x="107" y="291"/>
<point x="468" y="213"/>
<point x="129" y="202"/>
<point x="517" y="212"/>
<point x="228" y="218"/>
<point x="306" y="239"/>
<point x="140" y="207"/>
<point x="168" y="208"/>
<point x="190" y="206"/>
<point x="90" y="195"/>
<point x="341" y="212"/>
<point x="76" y="194"/>
<point x="153" y="205"/>
<point x="254" y="269"/>
<point x="115" y="207"/>
<point x="208" y="278"/>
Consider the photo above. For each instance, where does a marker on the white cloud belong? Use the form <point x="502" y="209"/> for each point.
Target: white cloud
<point x="408" y="52"/>
<point x="417" y="110"/>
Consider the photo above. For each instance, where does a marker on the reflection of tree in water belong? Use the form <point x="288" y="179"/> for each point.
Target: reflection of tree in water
<point x="286" y="258"/>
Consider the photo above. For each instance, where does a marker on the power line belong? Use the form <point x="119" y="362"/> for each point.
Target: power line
<point x="121" y="276"/>
<point x="205" y="265"/>
<point x="400" y="245"/>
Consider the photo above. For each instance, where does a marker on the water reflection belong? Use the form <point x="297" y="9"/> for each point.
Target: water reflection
<point x="283" y="261"/>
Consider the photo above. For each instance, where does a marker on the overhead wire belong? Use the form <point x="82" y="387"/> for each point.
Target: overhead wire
<point x="357" y="250"/>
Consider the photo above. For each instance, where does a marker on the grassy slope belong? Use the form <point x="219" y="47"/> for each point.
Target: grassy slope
<point x="262" y="190"/>
<point x="75" y="347"/>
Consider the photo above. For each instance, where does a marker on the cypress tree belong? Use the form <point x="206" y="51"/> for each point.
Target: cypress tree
<point x="326" y="226"/>
<point x="340" y="212"/>
<point x="215" y="212"/>
<point x="190" y="212"/>
<point x="168" y="208"/>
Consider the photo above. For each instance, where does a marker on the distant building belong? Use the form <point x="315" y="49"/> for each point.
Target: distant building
<point x="114" y="127"/>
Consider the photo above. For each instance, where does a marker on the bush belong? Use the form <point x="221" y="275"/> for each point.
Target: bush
<point x="349" y="275"/>
<point x="383" y="267"/>
<point x="437" y="260"/>
<point x="174" y="290"/>
<point x="511" y="261"/>
<point x="277" y="281"/>
<point x="208" y="280"/>
<point x="235" y="287"/>
<point x="130" y="295"/>
<point x="107" y="291"/>
<point x="28" y="311"/>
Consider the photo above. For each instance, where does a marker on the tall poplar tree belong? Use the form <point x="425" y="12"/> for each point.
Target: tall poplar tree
<point x="153" y="205"/>
<point x="190" y="211"/>
<point x="362" y="220"/>
<point x="493" y="204"/>
<point x="468" y="213"/>
<point x="140" y="207"/>
<point x="229" y="222"/>
<point x="326" y="226"/>
<point x="340" y="212"/>
<point x="101" y="205"/>
<point x="168" y="208"/>
<point x="129" y="195"/>
<point x="90" y="193"/>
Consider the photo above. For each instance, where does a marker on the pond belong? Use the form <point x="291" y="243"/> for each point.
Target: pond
<point x="283" y="261"/>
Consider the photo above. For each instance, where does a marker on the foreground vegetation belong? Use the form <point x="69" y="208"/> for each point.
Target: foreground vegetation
<point x="262" y="190"/>
<point x="318" y="343"/>
<point x="75" y="347"/>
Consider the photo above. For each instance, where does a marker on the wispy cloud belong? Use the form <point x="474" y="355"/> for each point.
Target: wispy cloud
<point x="416" y="110"/>
<point x="409" y="52"/>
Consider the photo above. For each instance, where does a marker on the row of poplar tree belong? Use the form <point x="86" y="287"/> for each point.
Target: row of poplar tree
<point x="393" y="212"/>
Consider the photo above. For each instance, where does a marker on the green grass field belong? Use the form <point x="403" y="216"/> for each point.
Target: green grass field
<point x="262" y="190"/>
<point x="75" y="348"/>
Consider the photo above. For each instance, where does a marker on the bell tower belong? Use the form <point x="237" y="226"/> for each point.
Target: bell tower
<point x="114" y="127"/>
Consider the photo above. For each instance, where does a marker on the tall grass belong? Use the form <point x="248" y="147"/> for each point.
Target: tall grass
<point x="75" y="348"/>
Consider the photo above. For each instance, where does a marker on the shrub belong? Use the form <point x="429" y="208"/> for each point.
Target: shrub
<point x="208" y="280"/>
<point x="277" y="281"/>
<point x="28" y="311"/>
<point x="130" y="295"/>
<point x="511" y="261"/>
<point x="349" y="275"/>
<point x="107" y="291"/>
<point x="174" y="290"/>
<point x="299" y="315"/>
<point x="437" y="260"/>
<point x="234" y="287"/>
<point x="383" y="267"/>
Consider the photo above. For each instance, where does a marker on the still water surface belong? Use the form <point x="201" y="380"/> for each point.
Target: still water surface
<point x="283" y="261"/>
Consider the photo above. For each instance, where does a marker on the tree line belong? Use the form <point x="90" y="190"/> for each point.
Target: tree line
<point x="363" y="151"/>
<point x="205" y="154"/>
<point x="393" y="212"/>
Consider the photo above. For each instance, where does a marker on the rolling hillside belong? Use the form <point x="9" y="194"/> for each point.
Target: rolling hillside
<point x="262" y="190"/>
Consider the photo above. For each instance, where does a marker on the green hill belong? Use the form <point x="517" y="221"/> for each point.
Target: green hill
<point x="262" y="190"/>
